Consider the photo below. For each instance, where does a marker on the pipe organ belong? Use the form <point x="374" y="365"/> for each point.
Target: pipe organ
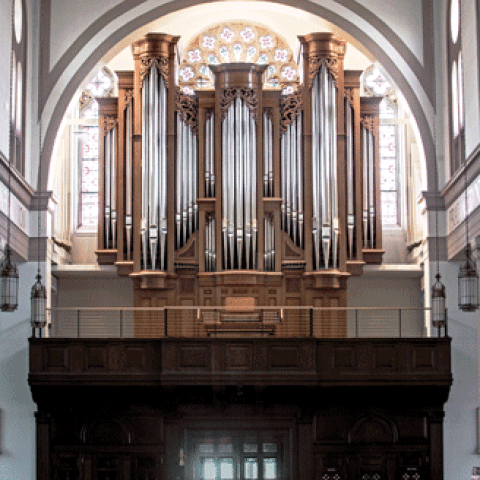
<point x="242" y="190"/>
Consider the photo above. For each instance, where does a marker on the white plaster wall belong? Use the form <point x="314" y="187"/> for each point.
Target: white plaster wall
<point x="404" y="17"/>
<point x="460" y="412"/>
<point x="69" y="20"/>
<point x="470" y="31"/>
<point x="17" y="434"/>
<point x="5" y="60"/>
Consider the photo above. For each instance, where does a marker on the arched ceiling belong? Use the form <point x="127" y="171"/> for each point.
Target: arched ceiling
<point x="107" y="38"/>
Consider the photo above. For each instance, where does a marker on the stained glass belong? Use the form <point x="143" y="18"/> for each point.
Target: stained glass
<point x="209" y="469"/>
<point x="91" y="111"/>
<point x="269" y="468"/>
<point x="88" y="209"/>
<point x="269" y="448"/>
<point x="89" y="142"/>
<point x="100" y="84"/>
<point x="387" y="110"/>
<point x="387" y="141"/>
<point x="226" y="469"/>
<point x="238" y="42"/>
<point x="250" y="468"/>
<point x="90" y="175"/>
<point x="389" y="208"/>
<point x="376" y="82"/>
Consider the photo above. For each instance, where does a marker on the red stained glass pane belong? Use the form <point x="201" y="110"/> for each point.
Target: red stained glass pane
<point x="387" y="141"/>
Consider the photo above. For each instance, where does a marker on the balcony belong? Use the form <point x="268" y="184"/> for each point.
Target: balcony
<point x="206" y="347"/>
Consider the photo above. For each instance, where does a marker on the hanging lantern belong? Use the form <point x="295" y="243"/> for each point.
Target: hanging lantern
<point x="468" y="285"/>
<point x="38" y="299"/>
<point x="439" y="313"/>
<point x="9" y="284"/>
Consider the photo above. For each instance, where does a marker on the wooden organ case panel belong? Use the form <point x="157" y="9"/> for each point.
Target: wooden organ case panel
<point x="240" y="191"/>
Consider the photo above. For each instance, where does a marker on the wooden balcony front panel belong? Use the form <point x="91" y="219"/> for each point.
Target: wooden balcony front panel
<point x="255" y="361"/>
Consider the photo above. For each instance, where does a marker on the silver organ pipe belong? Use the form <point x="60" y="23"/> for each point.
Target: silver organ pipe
<point x="239" y="203"/>
<point x="325" y="229"/>
<point x="128" y="182"/>
<point x="292" y="181"/>
<point x="210" y="254"/>
<point x="154" y="171"/>
<point x="210" y="156"/>
<point x="109" y="189"/>
<point x="351" y="234"/>
<point x="186" y="212"/>
<point x="267" y="156"/>
<point x="369" y="208"/>
<point x="269" y="254"/>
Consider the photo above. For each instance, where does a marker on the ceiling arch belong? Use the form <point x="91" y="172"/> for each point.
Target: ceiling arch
<point x="58" y="86"/>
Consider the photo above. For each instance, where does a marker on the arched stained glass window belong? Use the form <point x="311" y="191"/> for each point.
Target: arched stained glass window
<point x="238" y="42"/>
<point x="376" y="84"/>
<point x="87" y="147"/>
<point x="18" y="89"/>
<point x="455" y="84"/>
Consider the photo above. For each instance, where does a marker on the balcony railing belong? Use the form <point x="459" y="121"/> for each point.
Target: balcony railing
<point x="277" y="322"/>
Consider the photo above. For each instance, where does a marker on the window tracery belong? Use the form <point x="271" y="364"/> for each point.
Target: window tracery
<point x="238" y="42"/>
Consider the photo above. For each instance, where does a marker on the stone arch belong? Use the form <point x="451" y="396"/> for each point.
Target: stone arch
<point x="54" y="102"/>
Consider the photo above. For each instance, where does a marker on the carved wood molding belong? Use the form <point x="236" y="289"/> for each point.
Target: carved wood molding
<point x="161" y="62"/>
<point x="109" y="123"/>
<point x="316" y="61"/>
<point x="249" y="95"/>
<point x="350" y="95"/>
<point x="209" y="112"/>
<point x="187" y="108"/>
<point x="128" y="96"/>
<point x="368" y="121"/>
<point x="290" y="107"/>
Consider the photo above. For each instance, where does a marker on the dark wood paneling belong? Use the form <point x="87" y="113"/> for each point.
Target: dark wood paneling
<point x="302" y="362"/>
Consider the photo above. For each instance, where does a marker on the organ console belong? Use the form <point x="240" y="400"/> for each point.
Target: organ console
<point x="240" y="190"/>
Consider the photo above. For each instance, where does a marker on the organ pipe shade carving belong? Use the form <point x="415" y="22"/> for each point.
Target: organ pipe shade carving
<point x="325" y="228"/>
<point x="128" y="206"/>
<point x="186" y="209"/>
<point x="292" y="180"/>
<point x="110" y="216"/>
<point x="369" y="188"/>
<point x="154" y="171"/>
<point x="239" y="192"/>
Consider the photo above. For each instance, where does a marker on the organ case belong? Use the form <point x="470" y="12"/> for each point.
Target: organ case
<point x="241" y="190"/>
